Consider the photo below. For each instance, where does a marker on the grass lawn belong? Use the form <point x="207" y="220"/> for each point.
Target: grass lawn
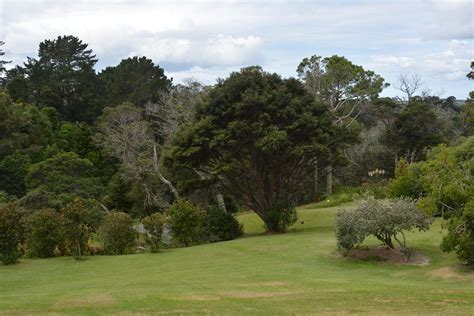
<point x="298" y="273"/>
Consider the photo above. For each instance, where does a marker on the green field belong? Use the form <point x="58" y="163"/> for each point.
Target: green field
<point x="295" y="273"/>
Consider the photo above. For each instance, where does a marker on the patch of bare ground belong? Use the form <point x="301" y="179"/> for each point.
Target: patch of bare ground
<point x="244" y="294"/>
<point x="386" y="255"/>
<point x="85" y="301"/>
<point x="453" y="273"/>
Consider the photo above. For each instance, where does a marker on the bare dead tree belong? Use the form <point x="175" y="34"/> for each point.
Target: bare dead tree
<point x="409" y="84"/>
<point x="126" y="135"/>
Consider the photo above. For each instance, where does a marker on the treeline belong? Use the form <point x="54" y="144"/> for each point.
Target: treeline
<point x="126" y="139"/>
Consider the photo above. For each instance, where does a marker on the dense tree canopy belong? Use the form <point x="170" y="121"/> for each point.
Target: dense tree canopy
<point x="63" y="77"/>
<point x="258" y="134"/>
<point x="137" y="80"/>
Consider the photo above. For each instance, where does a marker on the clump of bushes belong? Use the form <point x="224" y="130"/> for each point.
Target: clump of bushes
<point x="187" y="222"/>
<point x="11" y="234"/>
<point x="118" y="235"/>
<point x="154" y="225"/>
<point x="222" y="225"/>
<point x="386" y="220"/>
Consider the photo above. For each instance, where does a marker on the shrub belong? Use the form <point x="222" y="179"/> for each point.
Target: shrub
<point x="222" y="225"/>
<point x="77" y="227"/>
<point x="45" y="233"/>
<point x="279" y="217"/>
<point x="460" y="237"/>
<point x="383" y="219"/>
<point x="154" y="225"/>
<point x="187" y="223"/>
<point x="407" y="182"/>
<point x="118" y="235"/>
<point x="11" y="234"/>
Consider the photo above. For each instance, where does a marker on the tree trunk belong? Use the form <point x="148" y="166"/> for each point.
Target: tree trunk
<point x="221" y="202"/>
<point x="315" y="184"/>
<point x="160" y="175"/>
<point x="329" y="180"/>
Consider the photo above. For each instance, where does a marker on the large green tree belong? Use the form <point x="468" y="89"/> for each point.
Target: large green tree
<point x="63" y="77"/>
<point x="346" y="87"/>
<point x="137" y="80"/>
<point x="258" y="135"/>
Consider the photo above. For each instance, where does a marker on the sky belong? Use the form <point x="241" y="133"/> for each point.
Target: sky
<point x="206" y="40"/>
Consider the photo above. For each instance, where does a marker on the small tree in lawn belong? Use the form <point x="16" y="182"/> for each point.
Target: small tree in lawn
<point x="11" y="234"/>
<point x="77" y="228"/>
<point x="386" y="220"/>
<point x="154" y="225"/>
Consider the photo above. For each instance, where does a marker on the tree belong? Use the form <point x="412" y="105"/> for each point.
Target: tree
<point x="2" y="65"/>
<point x="13" y="169"/>
<point x="11" y="234"/>
<point x="415" y="129"/>
<point x="446" y="185"/>
<point x="126" y="135"/>
<point x="409" y="85"/>
<point x="386" y="220"/>
<point x="65" y="173"/>
<point x="257" y="134"/>
<point x="63" y="77"/>
<point x="117" y="233"/>
<point x="23" y="127"/>
<point x="136" y="80"/>
<point x="346" y="87"/>
<point x="77" y="227"/>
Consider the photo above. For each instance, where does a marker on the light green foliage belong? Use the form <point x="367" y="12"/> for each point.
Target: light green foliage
<point x="187" y="223"/>
<point x="154" y="225"/>
<point x="446" y="180"/>
<point x="77" y="227"/>
<point x="118" y="235"/>
<point x="386" y="220"/>
<point x="11" y="234"/>
<point x="222" y="225"/>
<point x="407" y="182"/>
<point x="45" y="235"/>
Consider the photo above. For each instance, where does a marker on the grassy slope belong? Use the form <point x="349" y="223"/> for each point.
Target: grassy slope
<point x="297" y="272"/>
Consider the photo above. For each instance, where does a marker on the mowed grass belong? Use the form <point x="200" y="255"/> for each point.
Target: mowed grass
<point x="299" y="272"/>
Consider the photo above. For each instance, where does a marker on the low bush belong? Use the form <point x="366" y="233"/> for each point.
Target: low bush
<point x="386" y="220"/>
<point x="222" y="225"/>
<point x="118" y="235"/>
<point x="45" y="234"/>
<point x="154" y="225"/>
<point x="11" y="234"/>
<point x="187" y="222"/>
